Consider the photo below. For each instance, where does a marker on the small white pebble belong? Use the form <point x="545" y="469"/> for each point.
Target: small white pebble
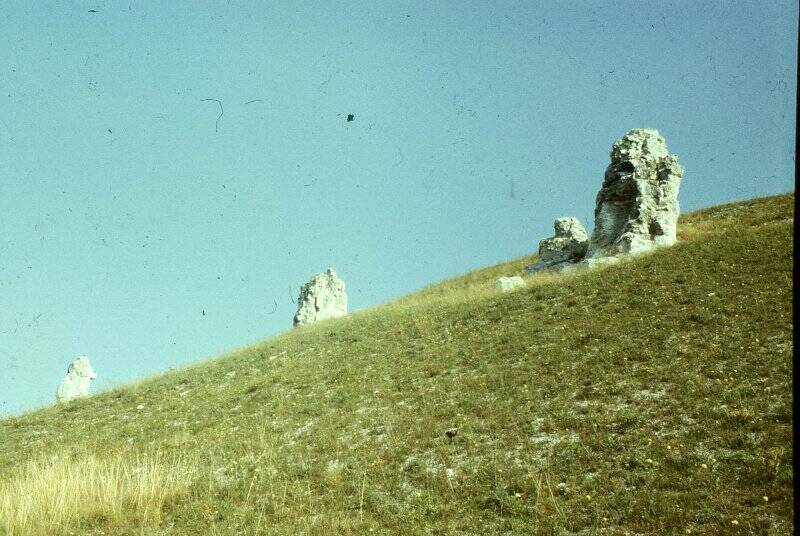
<point x="140" y="406"/>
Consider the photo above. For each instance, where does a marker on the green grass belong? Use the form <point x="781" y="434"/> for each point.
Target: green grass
<point x="648" y="397"/>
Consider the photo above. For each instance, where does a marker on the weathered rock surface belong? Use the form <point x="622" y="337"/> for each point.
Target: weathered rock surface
<point x="506" y="284"/>
<point x="324" y="296"/>
<point x="567" y="247"/>
<point x="76" y="383"/>
<point x="637" y="206"/>
<point x="569" y="243"/>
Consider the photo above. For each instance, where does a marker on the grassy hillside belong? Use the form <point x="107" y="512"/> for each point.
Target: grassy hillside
<point x="648" y="397"/>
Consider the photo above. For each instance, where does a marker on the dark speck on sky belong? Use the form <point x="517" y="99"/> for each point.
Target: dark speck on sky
<point x="350" y="117"/>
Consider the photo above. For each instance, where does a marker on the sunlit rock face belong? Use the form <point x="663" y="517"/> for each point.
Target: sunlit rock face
<point x="637" y="206"/>
<point x="324" y="296"/>
<point x="506" y="284"/>
<point x="76" y="383"/>
<point x="568" y="244"/>
<point x="567" y="247"/>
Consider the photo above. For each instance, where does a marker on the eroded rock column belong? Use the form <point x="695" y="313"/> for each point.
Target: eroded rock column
<point x="637" y="206"/>
<point x="76" y="383"/>
<point x="324" y="296"/>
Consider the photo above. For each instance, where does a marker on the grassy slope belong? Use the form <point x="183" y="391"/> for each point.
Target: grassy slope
<point x="658" y="391"/>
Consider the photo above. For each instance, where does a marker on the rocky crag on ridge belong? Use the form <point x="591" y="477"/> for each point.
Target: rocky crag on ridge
<point x="76" y="383"/>
<point x="323" y="296"/>
<point x="567" y="247"/>
<point x="636" y="210"/>
<point x="637" y="206"/>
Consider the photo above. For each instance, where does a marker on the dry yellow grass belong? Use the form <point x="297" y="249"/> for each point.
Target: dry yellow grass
<point x="65" y="492"/>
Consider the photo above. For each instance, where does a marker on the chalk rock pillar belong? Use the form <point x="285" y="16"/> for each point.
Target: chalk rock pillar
<point x="76" y="383"/>
<point x="324" y="296"/>
<point x="637" y="206"/>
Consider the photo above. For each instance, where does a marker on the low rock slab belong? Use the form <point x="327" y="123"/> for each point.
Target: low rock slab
<point x="506" y="284"/>
<point x="567" y="247"/>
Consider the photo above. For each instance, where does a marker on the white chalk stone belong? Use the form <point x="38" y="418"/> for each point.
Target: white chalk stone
<point x="76" y="383"/>
<point x="637" y="207"/>
<point x="567" y="247"/>
<point x="324" y="296"/>
<point x="569" y="243"/>
<point x="505" y="284"/>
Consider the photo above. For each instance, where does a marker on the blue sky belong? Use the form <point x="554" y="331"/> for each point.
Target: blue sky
<point x="126" y="211"/>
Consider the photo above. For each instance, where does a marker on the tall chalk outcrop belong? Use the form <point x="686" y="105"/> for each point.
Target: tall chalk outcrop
<point x="637" y="206"/>
<point x="324" y="296"/>
<point x="76" y="383"/>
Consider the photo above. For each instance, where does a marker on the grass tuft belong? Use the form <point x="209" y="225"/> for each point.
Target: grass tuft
<point x="65" y="492"/>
